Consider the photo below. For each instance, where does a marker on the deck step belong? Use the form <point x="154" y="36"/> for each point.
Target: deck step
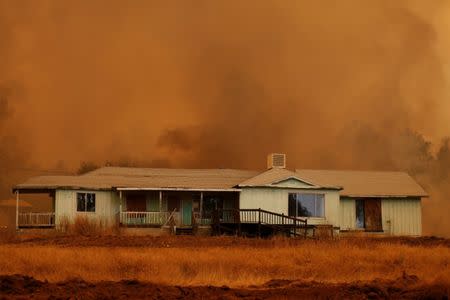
<point x="184" y="231"/>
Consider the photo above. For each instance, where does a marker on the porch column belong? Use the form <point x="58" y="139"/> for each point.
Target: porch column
<point x="17" y="209"/>
<point x="120" y="207"/>
<point x="201" y="205"/>
<point x="160" y="201"/>
<point x="120" y="202"/>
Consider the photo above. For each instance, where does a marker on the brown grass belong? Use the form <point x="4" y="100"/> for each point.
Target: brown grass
<point x="330" y="261"/>
<point x="84" y="226"/>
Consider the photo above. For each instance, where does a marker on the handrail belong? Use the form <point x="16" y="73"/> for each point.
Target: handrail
<point x="269" y="212"/>
<point x="30" y="219"/>
<point x="170" y="217"/>
<point x="142" y="217"/>
<point x="259" y="210"/>
<point x="259" y="217"/>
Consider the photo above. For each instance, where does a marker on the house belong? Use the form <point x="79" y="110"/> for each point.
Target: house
<point x="240" y="200"/>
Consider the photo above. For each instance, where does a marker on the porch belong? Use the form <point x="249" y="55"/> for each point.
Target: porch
<point x="180" y="208"/>
<point x="36" y="220"/>
<point x="26" y="218"/>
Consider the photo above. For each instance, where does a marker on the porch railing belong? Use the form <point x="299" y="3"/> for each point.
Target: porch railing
<point x="31" y="219"/>
<point x="137" y="218"/>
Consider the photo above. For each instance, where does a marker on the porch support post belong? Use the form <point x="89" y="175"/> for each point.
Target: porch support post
<point x="17" y="209"/>
<point x="120" y="208"/>
<point x="160" y="201"/>
<point x="120" y="202"/>
<point x="201" y="205"/>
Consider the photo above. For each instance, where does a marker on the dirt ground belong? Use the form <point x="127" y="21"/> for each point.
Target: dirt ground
<point x="204" y="242"/>
<point x="405" y="287"/>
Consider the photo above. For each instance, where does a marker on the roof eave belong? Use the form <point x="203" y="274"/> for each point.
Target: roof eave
<point x="384" y="196"/>
<point x="296" y="188"/>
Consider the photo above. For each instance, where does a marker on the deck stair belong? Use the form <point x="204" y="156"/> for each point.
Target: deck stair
<point x="184" y="231"/>
<point x="256" y="222"/>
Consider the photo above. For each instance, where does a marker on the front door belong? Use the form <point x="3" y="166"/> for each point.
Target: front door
<point x="187" y="212"/>
<point x="372" y="215"/>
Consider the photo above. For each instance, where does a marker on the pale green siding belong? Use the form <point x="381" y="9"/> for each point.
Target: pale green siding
<point x="402" y="216"/>
<point x="106" y="206"/>
<point x="276" y="200"/>
<point x="347" y="214"/>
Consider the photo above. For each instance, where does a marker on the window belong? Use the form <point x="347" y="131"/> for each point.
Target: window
<point x="307" y="205"/>
<point x="86" y="202"/>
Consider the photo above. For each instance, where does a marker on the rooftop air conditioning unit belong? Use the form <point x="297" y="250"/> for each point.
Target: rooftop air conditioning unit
<point x="276" y="160"/>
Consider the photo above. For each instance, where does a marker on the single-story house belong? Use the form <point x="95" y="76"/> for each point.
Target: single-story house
<point x="385" y="202"/>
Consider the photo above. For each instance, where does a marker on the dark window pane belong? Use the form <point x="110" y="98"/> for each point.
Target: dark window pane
<point x="292" y="205"/>
<point x="81" y="202"/>
<point x="306" y="205"/>
<point x="90" y="202"/>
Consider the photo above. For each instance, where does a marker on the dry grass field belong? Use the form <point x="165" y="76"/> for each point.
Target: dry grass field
<point x="227" y="261"/>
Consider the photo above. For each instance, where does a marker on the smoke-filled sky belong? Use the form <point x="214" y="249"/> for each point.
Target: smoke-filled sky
<point x="221" y="83"/>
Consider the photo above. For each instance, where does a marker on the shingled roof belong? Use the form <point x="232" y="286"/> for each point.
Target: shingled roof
<point x="115" y="177"/>
<point x="272" y="177"/>
<point x="354" y="183"/>
<point x="367" y="183"/>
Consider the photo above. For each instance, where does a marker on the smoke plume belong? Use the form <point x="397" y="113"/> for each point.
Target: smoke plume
<point x="359" y="85"/>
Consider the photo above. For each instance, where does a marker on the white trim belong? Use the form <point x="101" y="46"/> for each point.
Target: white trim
<point x="17" y="210"/>
<point x="296" y="178"/>
<point x="381" y="196"/>
<point x="176" y="189"/>
<point x="306" y="188"/>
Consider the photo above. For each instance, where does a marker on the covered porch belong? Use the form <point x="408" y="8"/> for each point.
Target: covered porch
<point x="172" y="207"/>
<point x="26" y="217"/>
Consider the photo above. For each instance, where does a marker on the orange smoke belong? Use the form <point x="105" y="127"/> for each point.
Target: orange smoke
<point x="221" y="84"/>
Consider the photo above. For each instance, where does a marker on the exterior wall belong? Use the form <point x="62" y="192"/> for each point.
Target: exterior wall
<point x="347" y="214"/>
<point x="402" y="216"/>
<point x="276" y="200"/>
<point x="106" y="206"/>
<point x="398" y="216"/>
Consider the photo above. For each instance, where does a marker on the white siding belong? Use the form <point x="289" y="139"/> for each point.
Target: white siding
<point x="276" y="200"/>
<point x="106" y="206"/>
<point x="402" y="216"/>
<point x="347" y="214"/>
<point x="399" y="216"/>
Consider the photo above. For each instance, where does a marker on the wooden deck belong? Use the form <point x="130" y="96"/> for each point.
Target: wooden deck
<point x="256" y="222"/>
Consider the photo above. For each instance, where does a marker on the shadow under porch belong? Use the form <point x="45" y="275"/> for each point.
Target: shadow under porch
<point x="172" y="208"/>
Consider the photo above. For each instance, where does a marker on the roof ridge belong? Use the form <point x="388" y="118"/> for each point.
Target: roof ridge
<point x="351" y="170"/>
<point x="192" y="169"/>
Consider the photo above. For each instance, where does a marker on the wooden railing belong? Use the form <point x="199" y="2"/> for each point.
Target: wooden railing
<point x="32" y="219"/>
<point x="257" y="216"/>
<point x="261" y="217"/>
<point x="137" y="218"/>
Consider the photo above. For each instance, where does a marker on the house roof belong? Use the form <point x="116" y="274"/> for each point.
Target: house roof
<point x="367" y="183"/>
<point x="116" y="177"/>
<point x="351" y="183"/>
<point x="273" y="176"/>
